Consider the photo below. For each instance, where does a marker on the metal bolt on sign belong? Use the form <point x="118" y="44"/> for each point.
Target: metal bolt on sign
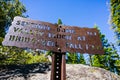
<point x="27" y="33"/>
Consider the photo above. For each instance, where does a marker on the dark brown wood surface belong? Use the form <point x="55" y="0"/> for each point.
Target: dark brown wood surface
<point x="58" y="70"/>
<point x="27" y="33"/>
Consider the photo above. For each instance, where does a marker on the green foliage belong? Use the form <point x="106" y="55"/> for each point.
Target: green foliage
<point x="110" y="59"/>
<point x="117" y="64"/>
<point x="72" y="58"/>
<point x="115" y="24"/>
<point x="75" y="58"/>
<point x="81" y="59"/>
<point x="49" y="53"/>
<point x="115" y="18"/>
<point x="1" y="39"/>
<point x="59" y="21"/>
<point x="8" y="10"/>
<point x="14" y="55"/>
<point x="99" y="61"/>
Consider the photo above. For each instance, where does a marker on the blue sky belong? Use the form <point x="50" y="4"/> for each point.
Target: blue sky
<point x="82" y="13"/>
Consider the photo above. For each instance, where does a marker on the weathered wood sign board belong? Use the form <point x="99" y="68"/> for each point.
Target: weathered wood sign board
<point x="47" y="36"/>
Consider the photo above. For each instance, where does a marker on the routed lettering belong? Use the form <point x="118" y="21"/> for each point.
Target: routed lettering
<point x="48" y="36"/>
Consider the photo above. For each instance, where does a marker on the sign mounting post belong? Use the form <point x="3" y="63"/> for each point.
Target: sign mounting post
<point x="59" y="39"/>
<point x="58" y="71"/>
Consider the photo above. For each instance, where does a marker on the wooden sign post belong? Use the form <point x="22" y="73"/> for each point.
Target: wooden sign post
<point x="59" y="39"/>
<point x="58" y="71"/>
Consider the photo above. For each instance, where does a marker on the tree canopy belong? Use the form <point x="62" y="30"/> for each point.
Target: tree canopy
<point x="110" y="60"/>
<point x="115" y="18"/>
<point x="8" y="10"/>
<point x="59" y="21"/>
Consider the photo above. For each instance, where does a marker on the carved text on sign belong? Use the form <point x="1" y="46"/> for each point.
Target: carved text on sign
<point x="46" y="36"/>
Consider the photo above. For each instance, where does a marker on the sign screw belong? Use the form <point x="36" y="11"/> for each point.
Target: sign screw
<point x="59" y="49"/>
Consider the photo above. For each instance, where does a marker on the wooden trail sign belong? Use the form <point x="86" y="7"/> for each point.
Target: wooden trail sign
<point x="47" y="36"/>
<point x="59" y="39"/>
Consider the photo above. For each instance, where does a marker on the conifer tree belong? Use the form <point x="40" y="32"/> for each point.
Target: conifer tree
<point x="109" y="58"/>
<point x="59" y="21"/>
<point x="72" y="58"/>
<point x="115" y="18"/>
<point x="81" y="59"/>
